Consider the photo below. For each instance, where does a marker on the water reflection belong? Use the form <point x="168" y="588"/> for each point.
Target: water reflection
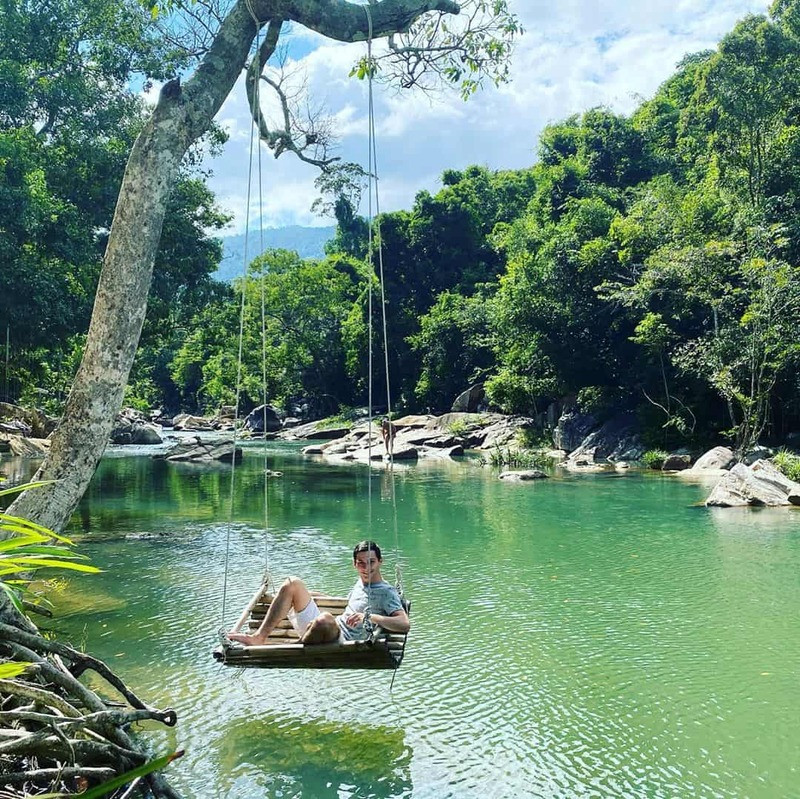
<point x="284" y="756"/>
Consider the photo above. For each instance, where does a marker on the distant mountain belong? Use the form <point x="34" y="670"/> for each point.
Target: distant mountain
<point x="307" y="242"/>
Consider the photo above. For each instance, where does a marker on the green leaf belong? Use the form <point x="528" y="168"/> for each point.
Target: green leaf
<point x="25" y="486"/>
<point x="123" y="779"/>
<point x="10" y="670"/>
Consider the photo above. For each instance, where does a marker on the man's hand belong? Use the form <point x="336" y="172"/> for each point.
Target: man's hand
<point x="354" y="619"/>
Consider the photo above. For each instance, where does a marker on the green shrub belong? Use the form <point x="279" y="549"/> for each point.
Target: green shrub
<point x="458" y="428"/>
<point x="530" y="438"/>
<point x="654" y="458"/>
<point x="788" y="463"/>
<point x="516" y="459"/>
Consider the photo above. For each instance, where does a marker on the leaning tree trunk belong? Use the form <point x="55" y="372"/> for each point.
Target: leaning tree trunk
<point x="182" y="115"/>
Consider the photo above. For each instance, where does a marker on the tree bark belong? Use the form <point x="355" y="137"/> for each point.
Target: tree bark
<point x="182" y="115"/>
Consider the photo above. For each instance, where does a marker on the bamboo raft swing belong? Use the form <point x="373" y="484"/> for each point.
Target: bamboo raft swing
<point x="383" y="650"/>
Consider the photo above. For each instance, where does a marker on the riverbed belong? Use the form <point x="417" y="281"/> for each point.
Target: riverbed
<point x="583" y="636"/>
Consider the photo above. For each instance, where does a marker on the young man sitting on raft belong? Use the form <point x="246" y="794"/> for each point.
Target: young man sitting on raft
<point x="296" y="602"/>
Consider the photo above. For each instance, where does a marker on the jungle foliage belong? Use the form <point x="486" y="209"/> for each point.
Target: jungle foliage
<point x="646" y="261"/>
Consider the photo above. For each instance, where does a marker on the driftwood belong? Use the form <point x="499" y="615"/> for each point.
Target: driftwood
<point x="57" y="734"/>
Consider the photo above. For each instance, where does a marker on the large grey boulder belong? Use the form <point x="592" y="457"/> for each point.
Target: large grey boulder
<point x="133" y="427"/>
<point x="715" y="459"/>
<point x="505" y="431"/>
<point x="470" y="401"/>
<point x="572" y="429"/>
<point x="615" y="440"/>
<point x="255" y="420"/>
<point x="146" y="434"/>
<point x="759" y="484"/>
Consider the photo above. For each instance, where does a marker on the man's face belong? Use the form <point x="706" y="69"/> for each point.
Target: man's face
<point x="367" y="565"/>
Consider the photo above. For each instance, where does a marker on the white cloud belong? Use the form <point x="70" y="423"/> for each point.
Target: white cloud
<point x="575" y="54"/>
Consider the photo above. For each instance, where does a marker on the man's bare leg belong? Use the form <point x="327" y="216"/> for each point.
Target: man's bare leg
<point x="292" y="595"/>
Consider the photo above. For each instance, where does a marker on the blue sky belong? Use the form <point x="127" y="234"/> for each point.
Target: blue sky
<point x="575" y="54"/>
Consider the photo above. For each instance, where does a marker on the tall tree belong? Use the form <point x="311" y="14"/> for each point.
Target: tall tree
<point x="419" y="46"/>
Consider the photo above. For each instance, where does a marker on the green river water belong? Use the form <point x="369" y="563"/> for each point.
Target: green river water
<point x="583" y="636"/>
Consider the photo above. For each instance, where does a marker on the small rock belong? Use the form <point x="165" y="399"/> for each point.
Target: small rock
<point x="676" y="463"/>
<point x="404" y="453"/>
<point x="756" y="454"/>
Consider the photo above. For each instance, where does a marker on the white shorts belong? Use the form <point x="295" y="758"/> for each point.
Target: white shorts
<point x="301" y="620"/>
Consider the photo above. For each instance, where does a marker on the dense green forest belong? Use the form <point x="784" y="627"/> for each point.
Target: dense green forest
<point x="647" y="261"/>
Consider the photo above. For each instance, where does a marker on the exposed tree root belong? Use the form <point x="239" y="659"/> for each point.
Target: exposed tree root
<point x="56" y="734"/>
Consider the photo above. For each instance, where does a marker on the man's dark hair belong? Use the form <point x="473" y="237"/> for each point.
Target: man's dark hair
<point x="367" y="546"/>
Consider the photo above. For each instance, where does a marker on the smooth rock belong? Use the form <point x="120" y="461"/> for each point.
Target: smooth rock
<point x="442" y="452"/>
<point x="24" y="447"/>
<point x="526" y="474"/>
<point x="428" y="438"/>
<point x="185" y="421"/>
<point x="717" y="458"/>
<point x="413" y="421"/>
<point x="310" y="430"/>
<point x="40" y="424"/>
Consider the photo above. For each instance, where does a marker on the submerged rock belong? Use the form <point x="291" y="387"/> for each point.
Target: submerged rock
<point x="199" y="451"/>
<point x="526" y="474"/>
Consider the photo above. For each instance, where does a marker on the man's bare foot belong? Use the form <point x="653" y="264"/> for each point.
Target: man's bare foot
<point x="247" y="640"/>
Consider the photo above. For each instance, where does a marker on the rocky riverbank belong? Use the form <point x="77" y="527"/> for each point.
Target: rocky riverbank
<point x="577" y="443"/>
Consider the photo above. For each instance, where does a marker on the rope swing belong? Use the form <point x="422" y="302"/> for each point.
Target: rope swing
<point x="382" y="649"/>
